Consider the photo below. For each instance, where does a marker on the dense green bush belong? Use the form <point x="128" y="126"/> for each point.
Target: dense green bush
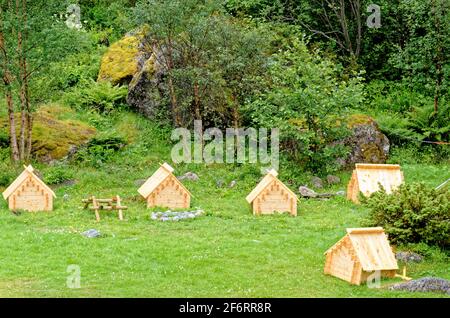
<point x="7" y="174"/>
<point x="414" y="213"/>
<point x="58" y="174"/>
<point x="99" y="96"/>
<point x="420" y="128"/>
<point x="414" y="153"/>
<point x="100" y="149"/>
<point x="393" y="96"/>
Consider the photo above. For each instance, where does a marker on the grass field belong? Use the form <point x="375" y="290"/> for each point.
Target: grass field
<point x="226" y="253"/>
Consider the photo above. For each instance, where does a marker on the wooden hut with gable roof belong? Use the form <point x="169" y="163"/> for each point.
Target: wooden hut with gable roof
<point x="29" y="193"/>
<point x="359" y="253"/>
<point x="165" y="190"/>
<point x="367" y="178"/>
<point x="271" y="195"/>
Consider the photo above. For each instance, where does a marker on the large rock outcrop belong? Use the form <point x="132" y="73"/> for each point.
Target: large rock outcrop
<point x="123" y="59"/>
<point x="147" y="90"/>
<point x="366" y="142"/>
<point x="133" y="61"/>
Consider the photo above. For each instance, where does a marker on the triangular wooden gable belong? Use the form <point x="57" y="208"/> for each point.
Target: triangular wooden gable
<point x="160" y="175"/>
<point x="264" y="183"/>
<point x="371" y="247"/>
<point x="28" y="172"/>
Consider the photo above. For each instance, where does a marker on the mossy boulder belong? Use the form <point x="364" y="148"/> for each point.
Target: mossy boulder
<point x="53" y="137"/>
<point x="366" y="142"/>
<point x="133" y="61"/>
<point x="147" y="90"/>
<point x="122" y="60"/>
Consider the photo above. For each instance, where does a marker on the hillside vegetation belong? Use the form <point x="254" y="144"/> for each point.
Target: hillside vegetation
<point x="95" y="97"/>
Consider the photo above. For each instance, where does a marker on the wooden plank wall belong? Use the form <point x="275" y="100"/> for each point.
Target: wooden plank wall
<point x="30" y="196"/>
<point x="275" y="199"/>
<point x="169" y="194"/>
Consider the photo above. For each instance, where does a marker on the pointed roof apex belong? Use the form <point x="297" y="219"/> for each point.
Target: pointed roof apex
<point x="29" y="168"/>
<point x="273" y="172"/>
<point x="163" y="172"/>
<point x="166" y="166"/>
<point x="270" y="177"/>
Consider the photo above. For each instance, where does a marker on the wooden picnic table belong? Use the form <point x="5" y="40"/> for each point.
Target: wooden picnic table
<point x="104" y="204"/>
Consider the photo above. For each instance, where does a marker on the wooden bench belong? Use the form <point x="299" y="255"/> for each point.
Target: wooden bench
<point x="104" y="204"/>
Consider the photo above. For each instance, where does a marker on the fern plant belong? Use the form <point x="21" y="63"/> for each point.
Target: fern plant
<point x="100" y="96"/>
<point x="431" y="125"/>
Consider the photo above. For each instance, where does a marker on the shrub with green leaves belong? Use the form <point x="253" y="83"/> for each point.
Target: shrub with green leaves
<point x="100" y="149"/>
<point x="307" y="101"/>
<point x="7" y="175"/>
<point x="58" y="174"/>
<point x="100" y="96"/>
<point x="414" y="213"/>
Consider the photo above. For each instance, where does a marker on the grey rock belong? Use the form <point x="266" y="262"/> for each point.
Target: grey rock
<point x="146" y="91"/>
<point x="140" y="182"/>
<point x="306" y="192"/>
<point x="367" y="144"/>
<point x="66" y="197"/>
<point x="232" y="184"/>
<point x="219" y="183"/>
<point x="426" y="284"/>
<point x="189" y="176"/>
<point x="73" y="149"/>
<point x="408" y="257"/>
<point x="333" y="180"/>
<point x="176" y="216"/>
<point x="341" y="193"/>
<point x="317" y="182"/>
<point x="92" y="233"/>
<point x="67" y="183"/>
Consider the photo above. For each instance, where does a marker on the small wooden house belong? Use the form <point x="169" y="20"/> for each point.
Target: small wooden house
<point x="366" y="178"/>
<point x="29" y="193"/>
<point x="359" y="253"/>
<point x="271" y="195"/>
<point x="165" y="190"/>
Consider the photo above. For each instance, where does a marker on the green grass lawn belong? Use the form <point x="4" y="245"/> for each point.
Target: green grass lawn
<point x="226" y="253"/>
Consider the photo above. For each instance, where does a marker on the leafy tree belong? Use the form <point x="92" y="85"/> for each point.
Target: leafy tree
<point x="306" y="101"/>
<point x="424" y="56"/>
<point x="212" y="61"/>
<point x="32" y="36"/>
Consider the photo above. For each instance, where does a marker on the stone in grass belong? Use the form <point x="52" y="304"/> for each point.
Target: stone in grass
<point x="92" y="233"/>
<point x="317" y="182"/>
<point x="333" y="180"/>
<point x="340" y="193"/>
<point x="232" y="184"/>
<point x="189" y="176"/>
<point x="408" y="257"/>
<point x="175" y="216"/>
<point x="426" y="284"/>
<point x="306" y="192"/>
<point x="219" y="183"/>
<point x="140" y="182"/>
